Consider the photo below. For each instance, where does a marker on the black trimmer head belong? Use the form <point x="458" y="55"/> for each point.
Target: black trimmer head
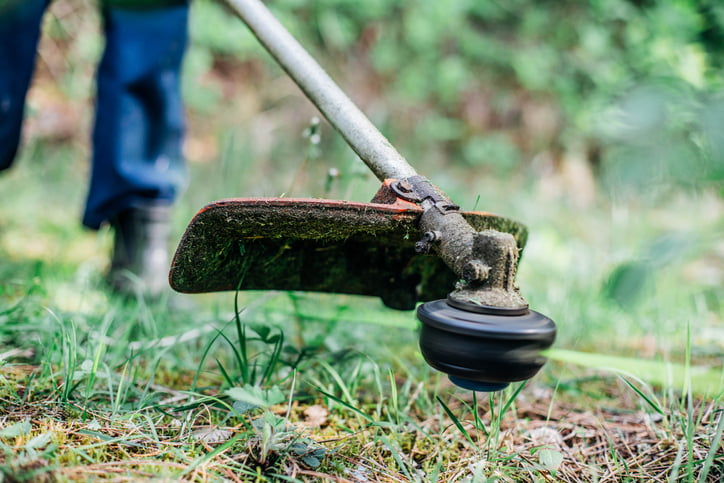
<point x="483" y="350"/>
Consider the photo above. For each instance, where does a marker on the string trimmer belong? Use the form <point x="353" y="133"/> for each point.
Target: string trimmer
<point x="410" y="244"/>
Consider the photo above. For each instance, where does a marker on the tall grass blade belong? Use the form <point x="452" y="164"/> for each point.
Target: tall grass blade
<point x="704" y="381"/>
<point x="204" y="355"/>
<point x="224" y="373"/>
<point x="394" y="401"/>
<point x="650" y="401"/>
<point x="274" y="358"/>
<point x="345" y="404"/>
<point x="477" y="202"/>
<point x="98" y="355"/>
<point x="69" y="354"/>
<point x="512" y="398"/>
<point x="689" y="408"/>
<point x="239" y="355"/>
<point x="241" y="334"/>
<point x="338" y="379"/>
<point x="713" y="448"/>
<point x="455" y="420"/>
<point x="120" y="391"/>
<point x="395" y="452"/>
<point x="476" y="412"/>
<point x="676" y="466"/>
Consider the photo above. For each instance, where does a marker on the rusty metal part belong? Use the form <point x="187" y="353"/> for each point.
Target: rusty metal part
<point x="485" y="260"/>
<point x="318" y="245"/>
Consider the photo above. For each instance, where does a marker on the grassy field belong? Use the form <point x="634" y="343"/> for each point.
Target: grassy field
<point x="311" y="387"/>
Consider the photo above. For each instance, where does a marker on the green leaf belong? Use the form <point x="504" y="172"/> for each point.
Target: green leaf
<point x="18" y="429"/>
<point x="629" y="282"/>
<point x="308" y="453"/>
<point x="39" y="441"/>
<point x="242" y="407"/>
<point x="550" y="459"/>
<point x="312" y="461"/>
<point x="256" y="396"/>
<point x="262" y="330"/>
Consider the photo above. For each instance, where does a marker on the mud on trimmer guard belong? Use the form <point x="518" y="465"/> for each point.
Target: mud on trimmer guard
<point x="410" y="244"/>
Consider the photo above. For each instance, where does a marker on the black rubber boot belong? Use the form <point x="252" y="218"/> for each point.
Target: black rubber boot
<point x="140" y="260"/>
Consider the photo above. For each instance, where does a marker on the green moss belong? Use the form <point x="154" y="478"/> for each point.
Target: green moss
<point x="344" y="247"/>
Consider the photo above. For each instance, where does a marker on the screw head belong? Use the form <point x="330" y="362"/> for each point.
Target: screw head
<point x="404" y="186"/>
<point x="422" y="247"/>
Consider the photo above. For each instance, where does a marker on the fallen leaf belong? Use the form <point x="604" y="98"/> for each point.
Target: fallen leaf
<point x="316" y="416"/>
<point x="550" y="459"/>
<point x="212" y="435"/>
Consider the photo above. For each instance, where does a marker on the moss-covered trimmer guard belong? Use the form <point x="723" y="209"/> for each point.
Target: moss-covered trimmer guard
<point x="319" y="245"/>
<point x="481" y="333"/>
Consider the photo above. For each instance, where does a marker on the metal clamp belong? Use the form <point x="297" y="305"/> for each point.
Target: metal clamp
<point x="418" y="189"/>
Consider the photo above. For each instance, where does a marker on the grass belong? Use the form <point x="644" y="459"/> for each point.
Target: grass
<point x="275" y="386"/>
<point x="305" y="387"/>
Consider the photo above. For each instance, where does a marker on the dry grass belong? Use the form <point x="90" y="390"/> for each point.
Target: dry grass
<point x="536" y="441"/>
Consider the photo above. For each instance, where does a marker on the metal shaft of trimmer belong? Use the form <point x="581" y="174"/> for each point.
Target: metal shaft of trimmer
<point x="362" y="136"/>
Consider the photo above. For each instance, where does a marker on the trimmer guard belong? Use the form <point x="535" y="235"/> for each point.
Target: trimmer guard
<point x="318" y="245"/>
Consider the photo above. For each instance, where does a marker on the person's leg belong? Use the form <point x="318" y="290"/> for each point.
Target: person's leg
<point x="138" y="167"/>
<point x="20" y="22"/>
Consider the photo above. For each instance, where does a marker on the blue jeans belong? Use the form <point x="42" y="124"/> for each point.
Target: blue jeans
<point x="139" y="122"/>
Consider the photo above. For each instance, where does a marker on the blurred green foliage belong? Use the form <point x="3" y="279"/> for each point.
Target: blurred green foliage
<point x="638" y="82"/>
